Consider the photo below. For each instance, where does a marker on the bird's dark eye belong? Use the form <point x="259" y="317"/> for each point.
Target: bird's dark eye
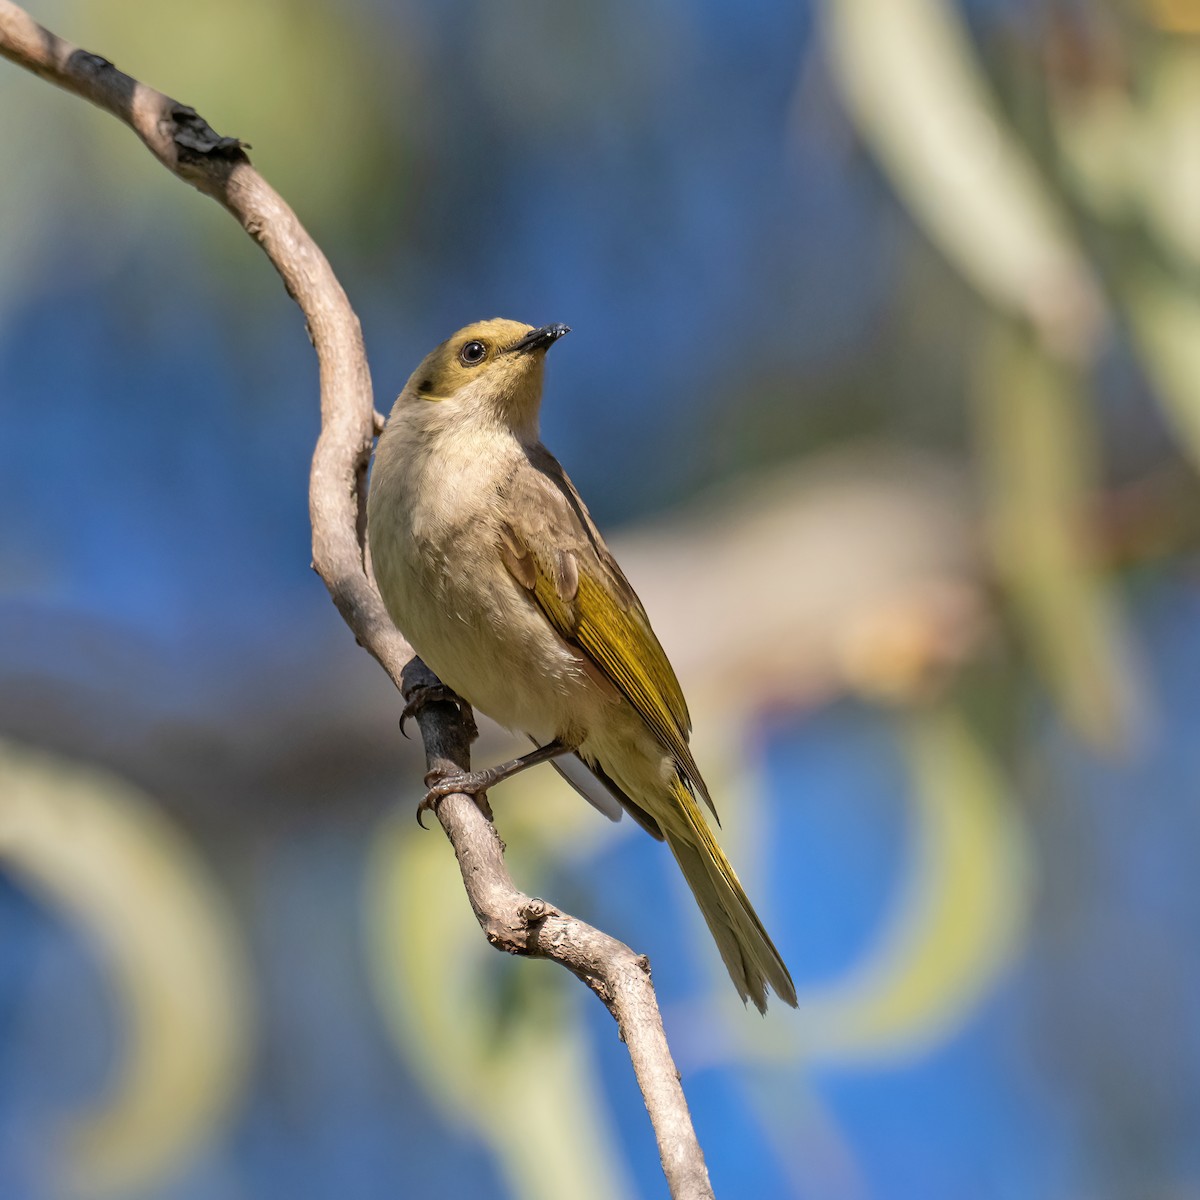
<point x="472" y="354"/>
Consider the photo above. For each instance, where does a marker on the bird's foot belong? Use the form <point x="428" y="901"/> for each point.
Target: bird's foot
<point x="434" y="694"/>
<point x="442" y="783"/>
<point x="445" y="782"/>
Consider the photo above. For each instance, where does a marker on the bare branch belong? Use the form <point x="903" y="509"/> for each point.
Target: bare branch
<point x="218" y="166"/>
<point x="522" y="924"/>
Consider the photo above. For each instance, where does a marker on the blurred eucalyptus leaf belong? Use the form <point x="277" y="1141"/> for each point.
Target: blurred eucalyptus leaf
<point x="1164" y="313"/>
<point x="1036" y="443"/>
<point x="1133" y="153"/>
<point x="954" y="925"/>
<point x="524" y="1080"/>
<point x="957" y="923"/>
<point x="1168" y="147"/>
<point x="917" y="94"/>
<point x="959" y="917"/>
<point x="105" y="857"/>
<point x="301" y="83"/>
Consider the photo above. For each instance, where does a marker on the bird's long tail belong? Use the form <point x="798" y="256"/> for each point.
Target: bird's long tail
<point x="750" y="956"/>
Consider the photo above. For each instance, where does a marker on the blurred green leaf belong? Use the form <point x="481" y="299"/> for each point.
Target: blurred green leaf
<point x="1036" y="445"/>
<point x="955" y="922"/>
<point x="917" y="94"/>
<point x="305" y="83"/>
<point x="525" y="1082"/>
<point x="101" y="854"/>
<point x="1164" y="314"/>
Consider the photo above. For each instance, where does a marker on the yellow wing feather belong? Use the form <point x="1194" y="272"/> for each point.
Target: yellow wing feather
<point x="564" y="565"/>
<point x="561" y="561"/>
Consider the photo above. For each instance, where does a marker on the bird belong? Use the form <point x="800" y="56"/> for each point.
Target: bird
<point x="490" y="564"/>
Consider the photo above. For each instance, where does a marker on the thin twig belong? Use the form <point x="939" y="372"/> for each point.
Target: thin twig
<point x="218" y="166"/>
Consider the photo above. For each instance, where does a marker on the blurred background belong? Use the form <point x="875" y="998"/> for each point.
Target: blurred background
<point x="885" y="382"/>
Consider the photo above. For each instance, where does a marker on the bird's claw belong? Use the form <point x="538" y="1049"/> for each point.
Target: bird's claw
<point x="432" y="694"/>
<point x="453" y="783"/>
<point x="426" y="805"/>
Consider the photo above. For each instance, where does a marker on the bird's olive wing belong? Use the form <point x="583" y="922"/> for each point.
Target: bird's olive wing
<point x="554" y="551"/>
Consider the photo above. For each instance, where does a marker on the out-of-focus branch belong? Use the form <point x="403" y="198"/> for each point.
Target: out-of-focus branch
<point x="218" y="166"/>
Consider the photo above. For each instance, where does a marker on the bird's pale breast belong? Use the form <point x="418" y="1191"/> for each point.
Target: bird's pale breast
<point x="434" y="535"/>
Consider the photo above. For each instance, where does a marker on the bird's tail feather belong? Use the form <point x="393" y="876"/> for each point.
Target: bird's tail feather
<point x="746" y="948"/>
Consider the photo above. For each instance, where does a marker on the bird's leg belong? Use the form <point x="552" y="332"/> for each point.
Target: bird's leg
<point x="474" y="783"/>
<point x="432" y="694"/>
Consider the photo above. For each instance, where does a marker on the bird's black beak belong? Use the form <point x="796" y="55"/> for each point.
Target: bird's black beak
<point x="540" y="339"/>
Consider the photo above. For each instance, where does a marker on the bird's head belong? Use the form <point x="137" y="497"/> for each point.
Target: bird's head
<point x="493" y="367"/>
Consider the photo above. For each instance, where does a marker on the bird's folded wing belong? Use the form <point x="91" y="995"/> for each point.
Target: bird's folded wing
<point x="552" y="548"/>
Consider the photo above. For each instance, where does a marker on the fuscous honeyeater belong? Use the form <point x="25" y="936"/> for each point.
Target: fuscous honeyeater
<point x="492" y="568"/>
